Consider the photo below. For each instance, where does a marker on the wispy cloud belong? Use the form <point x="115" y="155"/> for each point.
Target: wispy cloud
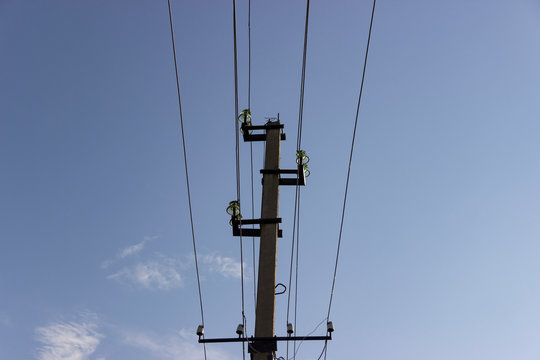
<point x="162" y="273"/>
<point x="179" y="346"/>
<point x="225" y="266"/>
<point x="75" y="340"/>
<point x="133" y="249"/>
<point x="128" y="251"/>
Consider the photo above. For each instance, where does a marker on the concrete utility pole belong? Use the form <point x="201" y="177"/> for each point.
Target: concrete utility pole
<point x="263" y="345"/>
<point x="266" y="298"/>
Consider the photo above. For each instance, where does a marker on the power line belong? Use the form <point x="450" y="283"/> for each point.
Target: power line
<point x="291" y="265"/>
<point x="323" y="352"/>
<point x="253" y="226"/>
<point x="238" y="167"/>
<point x="296" y="215"/>
<point x="251" y="157"/>
<point x="296" y="270"/>
<point x="303" y="80"/>
<point x="249" y="55"/>
<point x="349" y="167"/>
<point x="186" y="169"/>
<point x="302" y="341"/>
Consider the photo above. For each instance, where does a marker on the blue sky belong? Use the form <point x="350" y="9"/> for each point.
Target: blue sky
<point x="440" y="256"/>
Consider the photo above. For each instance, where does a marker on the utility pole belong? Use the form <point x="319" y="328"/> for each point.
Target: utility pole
<point x="266" y="288"/>
<point x="263" y="345"/>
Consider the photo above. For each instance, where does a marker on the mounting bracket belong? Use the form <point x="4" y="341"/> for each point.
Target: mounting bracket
<point x="248" y="136"/>
<point x="238" y="231"/>
<point x="299" y="180"/>
<point x="264" y="344"/>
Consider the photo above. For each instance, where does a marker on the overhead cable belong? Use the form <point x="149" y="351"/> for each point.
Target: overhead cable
<point x="302" y="341"/>
<point x="303" y="81"/>
<point x="236" y="112"/>
<point x="251" y="159"/>
<point x="350" y="163"/>
<point x="296" y="215"/>
<point x="186" y="170"/>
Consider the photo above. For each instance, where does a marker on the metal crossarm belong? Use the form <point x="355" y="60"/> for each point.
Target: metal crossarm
<point x="264" y="344"/>
<point x="299" y="180"/>
<point x="248" y="129"/>
<point x="237" y="230"/>
<point x="265" y="339"/>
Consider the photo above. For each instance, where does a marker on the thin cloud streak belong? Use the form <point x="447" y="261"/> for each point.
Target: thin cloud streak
<point x="67" y="340"/>
<point x="225" y="266"/>
<point x="160" y="274"/>
<point x="133" y="249"/>
<point x="129" y="250"/>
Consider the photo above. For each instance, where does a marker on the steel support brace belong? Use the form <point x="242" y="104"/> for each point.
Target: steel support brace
<point x="248" y="136"/>
<point x="239" y="231"/>
<point x="299" y="180"/>
<point x="265" y="339"/>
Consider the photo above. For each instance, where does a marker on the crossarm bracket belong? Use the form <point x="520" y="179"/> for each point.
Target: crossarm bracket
<point x="247" y="131"/>
<point x="239" y="231"/>
<point x="299" y="180"/>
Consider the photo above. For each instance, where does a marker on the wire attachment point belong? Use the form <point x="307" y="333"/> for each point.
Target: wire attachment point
<point x="245" y="119"/>
<point x="290" y="329"/>
<point x="302" y="160"/>
<point x="234" y="208"/>
<point x="200" y="330"/>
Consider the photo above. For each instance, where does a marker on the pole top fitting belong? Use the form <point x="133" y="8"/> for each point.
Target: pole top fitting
<point x="302" y="160"/>
<point x="245" y="119"/>
<point x="240" y="330"/>
<point x="290" y="329"/>
<point x="329" y="327"/>
<point x="234" y="208"/>
<point x="200" y="330"/>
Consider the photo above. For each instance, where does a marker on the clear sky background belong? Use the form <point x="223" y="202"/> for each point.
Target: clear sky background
<point x="440" y="255"/>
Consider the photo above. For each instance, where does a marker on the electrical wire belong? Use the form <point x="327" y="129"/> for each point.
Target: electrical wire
<point x="323" y="351"/>
<point x="349" y="167"/>
<point x="238" y="167"/>
<point x="251" y="159"/>
<point x="186" y="170"/>
<point x="253" y="226"/>
<point x="291" y="265"/>
<point x="296" y="270"/>
<point x="296" y="216"/>
<point x="249" y="55"/>
<point x="301" y="341"/>
<point x="303" y="80"/>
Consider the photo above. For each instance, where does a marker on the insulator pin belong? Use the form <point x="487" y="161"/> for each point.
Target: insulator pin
<point x="330" y="327"/>
<point x="290" y="329"/>
<point x="200" y="330"/>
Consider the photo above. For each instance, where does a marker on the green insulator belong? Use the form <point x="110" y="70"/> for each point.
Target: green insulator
<point x="237" y="217"/>
<point x="301" y="157"/>
<point x="247" y="124"/>
<point x="234" y="208"/>
<point x="245" y="117"/>
<point x="306" y="170"/>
